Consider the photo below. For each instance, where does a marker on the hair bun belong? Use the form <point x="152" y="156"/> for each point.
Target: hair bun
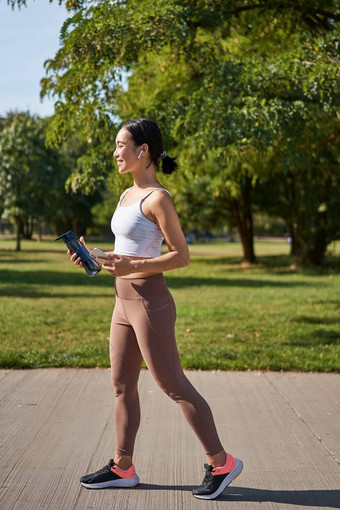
<point x="169" y="164"/>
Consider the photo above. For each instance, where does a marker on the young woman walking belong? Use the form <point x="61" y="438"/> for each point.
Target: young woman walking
<point x="143" y="320"/>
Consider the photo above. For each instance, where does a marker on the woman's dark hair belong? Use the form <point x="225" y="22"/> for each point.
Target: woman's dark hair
<point x="147" y="131"/>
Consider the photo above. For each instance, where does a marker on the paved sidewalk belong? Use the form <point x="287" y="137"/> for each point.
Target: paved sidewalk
<point x="56" y="425"/>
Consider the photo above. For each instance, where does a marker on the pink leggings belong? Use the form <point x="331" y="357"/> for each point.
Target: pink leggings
<point x="142" y="327"/>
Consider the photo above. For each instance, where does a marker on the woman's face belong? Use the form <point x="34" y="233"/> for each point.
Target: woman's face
<point x="126" y="152"/>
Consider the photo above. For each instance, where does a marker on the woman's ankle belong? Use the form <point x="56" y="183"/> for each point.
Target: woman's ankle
<point x="217" y="460"/>
<point x="123" y="461"/>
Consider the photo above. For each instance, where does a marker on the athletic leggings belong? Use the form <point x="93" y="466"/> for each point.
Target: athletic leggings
<point x="142" y="327"/>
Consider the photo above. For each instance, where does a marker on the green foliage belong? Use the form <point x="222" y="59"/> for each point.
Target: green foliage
<point x="222" y="51"/>
<point x="249" y="86"/>
<point x="307" y="188"/>
<point x="28" y="171"/>
<point x="269" y="88"/>
<point x="74" y="206"/>
<point x="32" y="177"/>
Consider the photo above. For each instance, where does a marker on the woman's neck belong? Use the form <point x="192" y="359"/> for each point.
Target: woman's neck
<point x="146" y="180"/>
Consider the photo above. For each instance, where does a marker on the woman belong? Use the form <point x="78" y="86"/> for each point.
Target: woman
<point x="144" y="315"/>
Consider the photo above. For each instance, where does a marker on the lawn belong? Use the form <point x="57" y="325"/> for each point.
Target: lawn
<point x="270" y="316"/>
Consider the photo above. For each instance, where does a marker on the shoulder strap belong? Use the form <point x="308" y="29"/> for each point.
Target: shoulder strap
<point x="155" y="189"/>
<point x="123" y="195"/>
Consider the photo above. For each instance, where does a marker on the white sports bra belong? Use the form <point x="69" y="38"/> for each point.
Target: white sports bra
<point x="135" y="234"/>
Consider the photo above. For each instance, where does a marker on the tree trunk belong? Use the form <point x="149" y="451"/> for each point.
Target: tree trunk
<point x="18" y="226"/>
<point x="40" y="228"/>
<point x="244" y="224"/>
<point x="315" y="254"/>
<point x="312" y="237"/>
<point x="27" y="228"/>
<point x="295" y="244"/>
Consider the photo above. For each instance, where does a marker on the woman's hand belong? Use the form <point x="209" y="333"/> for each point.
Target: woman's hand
<point x="74" y="258"/>
<point x="120" y="265"/>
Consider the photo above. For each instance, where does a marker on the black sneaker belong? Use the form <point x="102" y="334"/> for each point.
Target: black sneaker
<point x="111" y="476"/>
<point x="217" y="479"/>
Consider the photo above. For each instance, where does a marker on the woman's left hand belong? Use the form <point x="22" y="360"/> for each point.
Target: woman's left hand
<point x="120" y="265"/>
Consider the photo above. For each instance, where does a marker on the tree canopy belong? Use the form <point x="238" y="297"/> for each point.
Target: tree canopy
<point x="27" y="169"/>
<point x="246" y="92"/>
<point x="32" y="178"/>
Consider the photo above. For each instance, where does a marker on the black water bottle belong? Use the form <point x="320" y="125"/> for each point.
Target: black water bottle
<point x="90" y="265"/>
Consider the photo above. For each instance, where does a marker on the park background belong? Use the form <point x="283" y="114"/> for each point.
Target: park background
<point x="246" y="95"/>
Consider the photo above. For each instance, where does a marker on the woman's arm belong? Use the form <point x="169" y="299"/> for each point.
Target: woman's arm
<point x="159" y="208"/>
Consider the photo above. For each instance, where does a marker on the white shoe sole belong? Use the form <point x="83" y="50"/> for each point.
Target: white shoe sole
<point x="228" y="479"/>
<point x="121" y="482"/>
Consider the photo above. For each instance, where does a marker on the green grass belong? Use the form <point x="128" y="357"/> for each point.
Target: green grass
<point x="270" y="316"/>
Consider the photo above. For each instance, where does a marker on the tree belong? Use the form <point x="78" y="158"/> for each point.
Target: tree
<point x="308" y="199"/>
<point x="74" y="206"/>
<point x="33" y="178"/>
<point x="227" y="80"/>
<point x="26" y="170"/>
<point x="251" y="97"/>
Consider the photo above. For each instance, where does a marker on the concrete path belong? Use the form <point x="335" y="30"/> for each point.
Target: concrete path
<point x="56" y="425"/>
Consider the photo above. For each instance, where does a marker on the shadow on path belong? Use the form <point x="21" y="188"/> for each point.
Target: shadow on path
<point x="312" y="498"/>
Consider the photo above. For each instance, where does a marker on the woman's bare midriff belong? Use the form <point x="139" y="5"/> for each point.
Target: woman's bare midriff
<point x="141" y="274"/>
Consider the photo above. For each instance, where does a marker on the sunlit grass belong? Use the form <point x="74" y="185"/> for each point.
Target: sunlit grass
<point x="270" y="316"/>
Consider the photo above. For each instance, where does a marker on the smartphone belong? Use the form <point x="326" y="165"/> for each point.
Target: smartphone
<point x="96" y="253"/>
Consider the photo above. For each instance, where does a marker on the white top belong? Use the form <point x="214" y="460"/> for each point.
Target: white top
<point x="135" y="234"/>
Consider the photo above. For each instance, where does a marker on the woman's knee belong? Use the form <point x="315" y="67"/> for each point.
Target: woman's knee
<point x="124" y="377"/>
<point x="172" y="389"/>
<point x="177" y="387"/>
<point x="124" y="390"/>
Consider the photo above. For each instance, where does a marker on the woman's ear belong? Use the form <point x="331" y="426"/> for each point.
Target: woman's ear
<point x="143" y="150"/>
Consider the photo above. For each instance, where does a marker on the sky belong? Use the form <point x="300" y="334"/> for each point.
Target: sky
<point x="28" y="37"/>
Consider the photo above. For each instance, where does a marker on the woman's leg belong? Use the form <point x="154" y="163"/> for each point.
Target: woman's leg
<point x="150" y="310"/>
<point x="126" y="360"/>
<point x="153" y="320"/>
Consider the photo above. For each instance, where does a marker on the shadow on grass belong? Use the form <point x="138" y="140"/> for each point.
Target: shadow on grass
<point x="29" y="293"/>
<point x="316" y="320"/>
<point x="267" y="262"/>
<point x="319" y="335"/>
<point x="279" y="264"/>
<point x="26" y="251"/>
<point x="17" y="280"/>
<point x="59" y="278"/>
<point x="24" y="261"/>
<point x="316" y="337"/>
<point x="197" y="281"/>
<point x="330" y="302"/>
<point x="28" y="284"/>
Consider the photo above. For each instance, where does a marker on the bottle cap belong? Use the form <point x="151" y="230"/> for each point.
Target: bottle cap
<point x="67" y="236"/>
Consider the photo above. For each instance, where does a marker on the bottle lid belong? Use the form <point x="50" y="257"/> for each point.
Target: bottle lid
<point x="67" y="236"/>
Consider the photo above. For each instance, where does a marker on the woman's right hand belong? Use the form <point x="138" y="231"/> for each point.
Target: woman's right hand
<point x="74" y="258"/>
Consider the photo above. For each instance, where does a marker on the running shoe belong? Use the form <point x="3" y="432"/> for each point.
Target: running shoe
<point x="111" y="476"/>
<point x="218" y="478"/>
